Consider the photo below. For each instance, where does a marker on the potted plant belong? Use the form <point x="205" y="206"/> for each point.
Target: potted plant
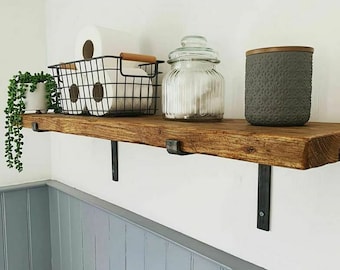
<point x="21" y="86"/>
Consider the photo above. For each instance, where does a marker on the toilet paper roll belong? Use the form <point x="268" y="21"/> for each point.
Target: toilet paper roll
<point x="72" y="96"/>
<point x="113" y="93"/>
<point x="95" y="41"/>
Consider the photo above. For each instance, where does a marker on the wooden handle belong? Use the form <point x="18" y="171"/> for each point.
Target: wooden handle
<point x="138" y="57"/>
<point x="68" y="66"/>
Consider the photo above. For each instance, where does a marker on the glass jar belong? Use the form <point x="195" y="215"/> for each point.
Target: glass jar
<point x="193" y="90"/>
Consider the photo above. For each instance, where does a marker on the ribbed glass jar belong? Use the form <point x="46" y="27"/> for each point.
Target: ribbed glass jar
<point x="193" y="90"/>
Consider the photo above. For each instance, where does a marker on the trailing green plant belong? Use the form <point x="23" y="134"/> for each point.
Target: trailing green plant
<point x="17" y="88"/>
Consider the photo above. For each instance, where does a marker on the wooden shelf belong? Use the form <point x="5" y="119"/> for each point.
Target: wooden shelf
<point x="312" y="145"/>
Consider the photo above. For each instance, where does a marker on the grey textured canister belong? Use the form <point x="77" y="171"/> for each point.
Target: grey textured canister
<point x="278" y="86"/>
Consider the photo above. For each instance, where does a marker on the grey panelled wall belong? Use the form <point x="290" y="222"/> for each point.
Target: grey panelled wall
<point x="25" y="229"/>
<point x="86" y="237"/>
<point x="50" y="226"/>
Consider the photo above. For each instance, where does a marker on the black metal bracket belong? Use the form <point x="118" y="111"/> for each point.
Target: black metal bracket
<point x="114" y="158"/>
<point x="264" y="186"/>
<point x="114" y="152"/>
<point x="174" y="147"/>
<point x="35" y="127"/>
<point x="263" y="197"/>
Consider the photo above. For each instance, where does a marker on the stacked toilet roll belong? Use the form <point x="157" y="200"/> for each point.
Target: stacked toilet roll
<point x="102" y="87"/>
<point x="114" y="93"/>
<point x="72" y="98"/>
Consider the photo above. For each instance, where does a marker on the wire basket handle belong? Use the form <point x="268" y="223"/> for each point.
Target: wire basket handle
<point x="138" y="57"/>
<point x="68" y="66"/>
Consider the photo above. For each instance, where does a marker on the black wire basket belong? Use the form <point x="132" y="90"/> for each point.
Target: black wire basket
<point x="109" y="86"/>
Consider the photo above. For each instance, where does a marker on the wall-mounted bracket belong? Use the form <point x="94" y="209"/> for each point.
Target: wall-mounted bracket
<point x="174" y="147"/>
<point x="114" y="152"/>
<point x="114" y="158"/>
<point x="35" y="127"/>
<point x="263" y="197"/>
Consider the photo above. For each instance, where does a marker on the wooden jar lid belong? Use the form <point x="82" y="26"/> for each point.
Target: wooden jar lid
<point x="281" y="49"/>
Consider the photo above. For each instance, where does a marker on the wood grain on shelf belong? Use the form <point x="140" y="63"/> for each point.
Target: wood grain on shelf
<point x="312" y="145"/>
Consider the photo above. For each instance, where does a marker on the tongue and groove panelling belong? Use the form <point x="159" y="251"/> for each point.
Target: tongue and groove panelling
<point x="50" y="226"/>
<point x="25" y="229"/>
<point x="86" y="237"/>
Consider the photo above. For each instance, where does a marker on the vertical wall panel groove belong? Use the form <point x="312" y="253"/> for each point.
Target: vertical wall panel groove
<point x="144" y="238"/>
<point x="135" y="248"/>
<point x="155" y="252"/>
<point x="125" y="246"/>
<point x="166" y="254"/>
<point x="117" y="244"/>
<point x="70" y="232"/>
<point x="2" y="259"/>
<point x="40" y="228"/>
<point x="29" y="231"/>
<point x="76" y="234"/>
<point x="82" y="236"/>
<point x="88" y="214"/>
<point x="192" y="263"/>
<point x="102" y="240"/>
<point x="55" y="232"/>
<point x="178" y="258"/>
<point x="64" y="222"/>
<point x="201" y="263"/>
<point x="3" y="249"/>
<point x="59" y="231"/>
<point x="95" y="252"/>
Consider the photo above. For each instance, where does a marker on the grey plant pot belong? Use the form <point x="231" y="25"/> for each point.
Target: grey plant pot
<point x="278" y="86"/>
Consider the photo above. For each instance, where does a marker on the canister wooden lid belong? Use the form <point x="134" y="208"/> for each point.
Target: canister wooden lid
<point x="281" y="49"/>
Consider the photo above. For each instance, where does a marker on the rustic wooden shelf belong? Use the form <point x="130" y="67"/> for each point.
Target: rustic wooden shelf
<point x="312" y="145"/>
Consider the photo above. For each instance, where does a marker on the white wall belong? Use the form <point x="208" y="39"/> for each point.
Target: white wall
<point x="214" y="199"/>
<point x="23" y="47"/>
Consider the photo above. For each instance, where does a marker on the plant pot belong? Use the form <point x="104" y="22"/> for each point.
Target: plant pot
<point x="278" y="86"/>
<point x="36" y="101"/>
